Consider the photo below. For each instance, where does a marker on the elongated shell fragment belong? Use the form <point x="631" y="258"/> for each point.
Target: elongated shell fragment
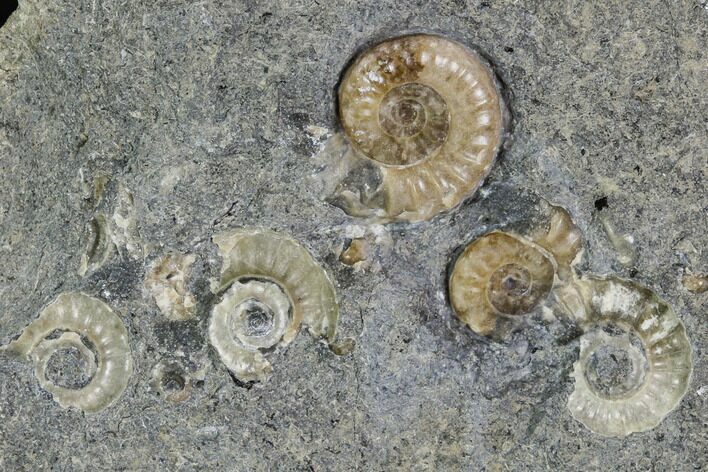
<point x="78" y="315"/>
<point x="498" y="275"/>
<point x="645" y="379"/>
<point x="428" y="113"/>
<point x="562" y="239"/>
<point x="272" y="286"/>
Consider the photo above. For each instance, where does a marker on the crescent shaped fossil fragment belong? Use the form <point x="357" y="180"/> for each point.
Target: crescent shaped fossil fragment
<point x="629" y="381"/>
<point x="428" y="114"/>
<point x="79" y="316"/>
<point x="272" y="285"/>
<point x="499" y="275"/>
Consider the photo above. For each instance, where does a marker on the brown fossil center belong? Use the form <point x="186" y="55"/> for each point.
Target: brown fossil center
<point x="509" y="289"/>
<point x="415" y="119"/>
<point x="402" y="118"/>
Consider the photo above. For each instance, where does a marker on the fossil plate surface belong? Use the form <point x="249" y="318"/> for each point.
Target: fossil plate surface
<point x="130" y="130"/>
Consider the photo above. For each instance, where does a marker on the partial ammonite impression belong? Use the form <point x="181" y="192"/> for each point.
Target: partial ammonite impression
<point x="426" y="114"/>
<point x="635" y="357"/>
<point x="499" y="276"/>
<point x="80" y="351"/>
<point x="270" y="286"/>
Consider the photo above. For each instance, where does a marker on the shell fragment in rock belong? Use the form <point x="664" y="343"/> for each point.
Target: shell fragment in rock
<point x="497" y="276"/>
<point x="561" y="238"/>
<point x="99" y="248"/>
<point x="79" y="316"/>
<point x="166" y="282"/>
<point x="271" y="286"/>
<point x="643" y="380"/>
<point x="427" y="115"/>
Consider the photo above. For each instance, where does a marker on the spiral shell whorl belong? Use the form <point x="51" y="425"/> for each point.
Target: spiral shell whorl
<point x="666" y="354"/>
<point x="498" y="274"/>
<point x="79" y="314"/>
<point x="428" y="110"/>
<point x="273" y="275"/>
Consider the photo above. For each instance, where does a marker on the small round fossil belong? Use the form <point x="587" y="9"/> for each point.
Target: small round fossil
<point x="78" y="317"/>
<point x="635" y="358"/>
<point x="427" y="112"/>
<point x="171" y="381"/>
<point x="271" y="286"/>
<point x="499" y="274"/>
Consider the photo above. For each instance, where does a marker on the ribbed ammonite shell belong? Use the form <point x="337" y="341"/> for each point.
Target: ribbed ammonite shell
<point x="77" y="317"/>
<point x="428" y="112"/>
<point x="635" y="358"/>
<point x="272" y="286"/>
<point x="499" y="275"/>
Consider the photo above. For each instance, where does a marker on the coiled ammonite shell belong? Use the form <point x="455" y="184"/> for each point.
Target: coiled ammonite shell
<point x="272" y="286"/>
<point x="106" y="358"/>
<point x="499" y="275"/>
<point x="428" y="113"/>
<point x="635" y="358"/>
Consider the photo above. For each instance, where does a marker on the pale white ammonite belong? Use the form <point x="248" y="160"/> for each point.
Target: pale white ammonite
<point x="271" y="285"/>
<point x="74" y="318"/>
<point x="499" y="275"/>
<point x="428" y="113"/>
<point x="635" y="358"/>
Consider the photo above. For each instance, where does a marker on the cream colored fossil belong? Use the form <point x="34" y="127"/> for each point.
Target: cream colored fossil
<point x="79" y="316"/>
<point x="499" y="276"/>
<point x="271" y="285"/>
<point x="635" y="358"/>
<point x="166" y="283"/>
<point x="427" y="115"/>
<point x="100" y="245"/>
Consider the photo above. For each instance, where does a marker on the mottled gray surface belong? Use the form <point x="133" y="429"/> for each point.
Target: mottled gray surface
<point x="201" y="108"/>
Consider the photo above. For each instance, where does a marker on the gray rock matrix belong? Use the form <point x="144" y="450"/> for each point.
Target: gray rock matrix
<point x="205" y="112"/>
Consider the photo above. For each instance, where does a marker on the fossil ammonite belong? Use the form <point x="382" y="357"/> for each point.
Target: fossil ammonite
<point x="79" y="326"/>
<point x="499" y="275"/>
<point x="635" y="358"/>
<point x="427" y="112"/>
<point x="271" y="285"/>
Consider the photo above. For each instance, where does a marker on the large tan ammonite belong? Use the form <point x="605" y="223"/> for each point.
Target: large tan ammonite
<point x="428" y="113"/>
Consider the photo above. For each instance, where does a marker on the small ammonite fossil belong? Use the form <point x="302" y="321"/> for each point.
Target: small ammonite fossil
<point x="427" y="113"/>
<point x="635" y="358"/>
<point x="499" y="276"/>
<point x="171" y="381"/>
<point x="84" y="327"/>
<point x="271" y="285"/>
